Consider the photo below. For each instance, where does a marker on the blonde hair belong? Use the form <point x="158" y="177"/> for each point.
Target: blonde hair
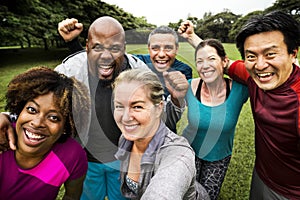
<point x="148" y="78"/>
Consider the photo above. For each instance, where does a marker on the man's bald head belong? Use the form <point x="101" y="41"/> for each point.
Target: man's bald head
<point x="106" y="26"/>
<point x="105" y="48"/>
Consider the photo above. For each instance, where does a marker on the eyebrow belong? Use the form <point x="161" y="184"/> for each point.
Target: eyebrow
<point x="162" y="45"/>
<point x="38" y="105"/>
<point x="33" y="101"/>
<point x="207" y="57"/>
<point x="264" y="50"/>
<point x="137" y="102"/>
<point x="131" y="103"/>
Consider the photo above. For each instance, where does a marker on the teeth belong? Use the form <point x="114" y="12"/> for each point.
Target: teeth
<point x="161" y="61"/>
<point x="105" y="67"/>
<point x="264" y="74"/>
<point x="33" y="136"/>
<point x="207" y="73"/>
<point x="129" y="127"/>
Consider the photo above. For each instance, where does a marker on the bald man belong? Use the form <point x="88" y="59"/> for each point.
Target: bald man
<point x="97" y="67"/>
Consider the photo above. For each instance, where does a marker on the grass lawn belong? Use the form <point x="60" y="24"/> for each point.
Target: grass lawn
<point x="238" y="177"/>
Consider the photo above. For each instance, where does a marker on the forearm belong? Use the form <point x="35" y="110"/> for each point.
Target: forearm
<point x="7" y="135"/>
<point x="173" y="176"/>
<point x="173" y="114"/>
<point x="74" y="46"/>
<point x="73" y="188"/>
<point x="194" y="40"/>
<point x="180" y="103"/>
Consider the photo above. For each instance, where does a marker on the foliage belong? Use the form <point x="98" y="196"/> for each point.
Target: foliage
<point x="217" y="26"/>
<point x="289" y="6"/>
<point x="225" y="25"/>
<point x="239" y="23"/>
<point x="35" y="21"/>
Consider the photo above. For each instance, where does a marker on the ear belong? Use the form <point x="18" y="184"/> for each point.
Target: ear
<point x="159" y="108"/>
<point x="225" y="61"/>
<point x="294" y="56"/>
<point x="161" y="104"/>
<point x="176" y="49"/>
<point x="86" y="44"/>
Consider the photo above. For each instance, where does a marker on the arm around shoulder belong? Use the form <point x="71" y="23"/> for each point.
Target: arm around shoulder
<point x="77" y="164"/>
<point x="73" y="188"/>
<point x="7" y="135"/>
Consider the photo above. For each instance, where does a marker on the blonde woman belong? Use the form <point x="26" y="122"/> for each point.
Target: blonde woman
<point x="155" y="162"/>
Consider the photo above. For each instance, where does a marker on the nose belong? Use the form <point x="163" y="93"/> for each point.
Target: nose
<point x="106" y="54"/>
<point x="37" y="122"/>
<point x="126" y="115"/>
<point x="261" y="63"/>
<point x="161" y="52"/>
<point x="203" y="65"/>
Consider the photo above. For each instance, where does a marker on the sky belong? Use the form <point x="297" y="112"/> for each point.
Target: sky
<point x="161" y="12"/>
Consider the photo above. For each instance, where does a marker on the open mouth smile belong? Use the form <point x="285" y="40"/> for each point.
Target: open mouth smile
<point x="264" y="75"/>
<point x="33" y="137"/>
<point x="105" y="70"/>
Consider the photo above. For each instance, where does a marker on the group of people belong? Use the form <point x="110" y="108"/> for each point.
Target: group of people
<point x="123" y="110"/>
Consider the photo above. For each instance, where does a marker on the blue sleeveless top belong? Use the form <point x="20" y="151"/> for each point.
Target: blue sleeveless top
<point x="210" y="129"/>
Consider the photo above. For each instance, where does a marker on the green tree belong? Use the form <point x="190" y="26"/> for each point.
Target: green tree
<point x="236" y="27"/>
<point x="31" y="20"/>
<point x="289" y="6"/>
<point x="10" y="30"/>
<point x="216" y="26"/>
<point x="35" y="21"/>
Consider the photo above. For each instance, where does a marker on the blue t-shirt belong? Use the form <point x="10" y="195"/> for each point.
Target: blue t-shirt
<point x="210" y="130"/>
<point x="176" y="66"/>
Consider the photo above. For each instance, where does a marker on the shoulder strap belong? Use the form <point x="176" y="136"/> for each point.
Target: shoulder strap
<point x="198" y="93"/>
<point x="227" y="87"/>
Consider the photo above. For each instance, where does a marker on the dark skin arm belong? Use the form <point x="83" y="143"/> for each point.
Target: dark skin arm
<point x="7" y="135"/>
<point x="73" y="188"/>
<point x="69" y="30"/>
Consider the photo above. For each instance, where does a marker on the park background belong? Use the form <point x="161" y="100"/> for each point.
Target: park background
<point x="28" y="37"/>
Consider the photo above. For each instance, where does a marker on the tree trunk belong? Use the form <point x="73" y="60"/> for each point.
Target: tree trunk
<point x="45" y="44"/>
<point x="28" y="41"/>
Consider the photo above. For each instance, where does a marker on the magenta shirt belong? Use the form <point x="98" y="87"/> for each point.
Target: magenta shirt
<point x="65" y="161"/>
